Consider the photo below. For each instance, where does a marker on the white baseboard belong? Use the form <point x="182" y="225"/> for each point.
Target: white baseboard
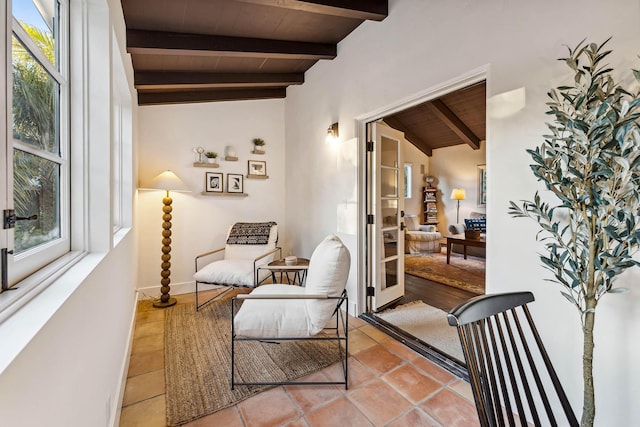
<point x="153" y="292"/>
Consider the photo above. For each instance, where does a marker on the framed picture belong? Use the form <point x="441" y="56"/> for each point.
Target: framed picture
<point x="482" y="185"/>
<point x="213" y="182"/>
<point x="257" y="167"/>
<point x="235" y="183"/>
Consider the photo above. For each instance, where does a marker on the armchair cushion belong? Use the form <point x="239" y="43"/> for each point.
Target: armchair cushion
<point x="245" y="251"/>
<point x="477" y="224"/>
<point x="327" y="275"/>
<point x="273" y="318"/>
<point x="237" y="272"/>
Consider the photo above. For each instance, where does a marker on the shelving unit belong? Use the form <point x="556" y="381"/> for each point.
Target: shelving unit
<point x="430" y="206"/>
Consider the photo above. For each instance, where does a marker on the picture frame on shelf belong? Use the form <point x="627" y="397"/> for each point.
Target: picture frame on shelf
<point x="257" y="168"/>
<point x="235" y="183"/>
<point x="213" y="182"/>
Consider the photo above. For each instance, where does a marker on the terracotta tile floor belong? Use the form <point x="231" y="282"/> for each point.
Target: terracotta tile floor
<point x="389" y="385"/>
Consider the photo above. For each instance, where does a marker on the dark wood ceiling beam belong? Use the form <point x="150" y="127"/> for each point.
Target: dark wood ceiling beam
<point x="454" y="123"/>
<point x="157" y="98"/>
<point x="420" y="143"/>
<point x="142" y="42"/>
<point x="374" y="10"/>
<point x="182" y="80"/>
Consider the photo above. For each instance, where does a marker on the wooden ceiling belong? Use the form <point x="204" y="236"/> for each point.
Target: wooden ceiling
<point x="218" y="50"/>
<point x="453" y="119"/>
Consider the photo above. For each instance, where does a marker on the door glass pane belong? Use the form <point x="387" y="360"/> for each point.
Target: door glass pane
<point x="35" y="100"/>
<point x="389" y="152"/>
<point x="389" y="210"/>
<point x="388" y="182"/>
<point x="389" y="274"/>
<point x="390" y="242"/>
<point x="35" y="192"/>
<point x="38" y="18"/>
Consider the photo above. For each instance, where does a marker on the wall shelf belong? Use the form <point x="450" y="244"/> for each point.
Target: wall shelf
<point x="256" y="151"/>
<point x="205" y="165"/>
<point x="231" y="159"/>
<point x="257" y="176"/>
<point x="211" y="193"/>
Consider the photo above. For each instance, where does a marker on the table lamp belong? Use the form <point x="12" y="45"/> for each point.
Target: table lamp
<point x="167" y="181"/>
<point x="458" y="194"/>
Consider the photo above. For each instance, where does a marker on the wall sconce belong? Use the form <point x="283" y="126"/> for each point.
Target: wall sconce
<point x="458" y="194"/>
<point x="332" y="134"/>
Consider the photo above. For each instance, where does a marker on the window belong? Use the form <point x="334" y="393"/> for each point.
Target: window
<point x="408" y="178"/>
<point x="39" y="139"/>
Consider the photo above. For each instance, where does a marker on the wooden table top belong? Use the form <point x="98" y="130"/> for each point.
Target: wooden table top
<point x="462" y="239"/>
<point x="279" y="264"/>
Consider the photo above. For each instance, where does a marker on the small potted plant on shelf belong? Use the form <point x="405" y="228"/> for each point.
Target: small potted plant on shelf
<point x="258" y="142"/>
<point x="211" y="156"/>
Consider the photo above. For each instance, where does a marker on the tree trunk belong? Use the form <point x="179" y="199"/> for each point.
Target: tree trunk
<point x="589" y="402"/>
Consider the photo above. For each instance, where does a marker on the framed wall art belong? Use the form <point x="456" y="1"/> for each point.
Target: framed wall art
<point x="213" y="182"/>
<point x="257" y="169"/>
<point x="482" y="185"/>
<point x="235" y="183"/>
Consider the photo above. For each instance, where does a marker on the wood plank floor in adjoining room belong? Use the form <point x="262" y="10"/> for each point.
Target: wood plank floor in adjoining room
<point x="432" y="293"/>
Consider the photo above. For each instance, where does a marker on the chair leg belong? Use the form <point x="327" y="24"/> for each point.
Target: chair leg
<point x="198" y="306"/>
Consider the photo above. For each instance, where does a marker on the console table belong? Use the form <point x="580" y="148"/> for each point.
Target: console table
<point x="459" y="239"/>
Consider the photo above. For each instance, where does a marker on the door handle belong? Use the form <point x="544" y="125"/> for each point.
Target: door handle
<point x="402" y="226"/>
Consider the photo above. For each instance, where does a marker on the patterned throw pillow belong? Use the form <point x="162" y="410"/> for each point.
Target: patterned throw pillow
<point x="478" y="224"/>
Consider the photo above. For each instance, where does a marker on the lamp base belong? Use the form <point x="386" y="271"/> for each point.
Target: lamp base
<point x="160" y="304"/>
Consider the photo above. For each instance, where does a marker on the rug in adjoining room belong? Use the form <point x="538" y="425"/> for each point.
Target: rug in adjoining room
<point x="466" y="274"/>
<point x="427" y="323"/>
<point x="198" y="361"/>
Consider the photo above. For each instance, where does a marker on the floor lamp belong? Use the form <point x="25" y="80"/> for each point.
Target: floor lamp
<point x="458" y="194"/>
<point x="167" y="181"/>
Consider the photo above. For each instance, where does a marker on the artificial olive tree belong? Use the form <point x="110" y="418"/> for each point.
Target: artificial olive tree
<point x="590" y="161"/>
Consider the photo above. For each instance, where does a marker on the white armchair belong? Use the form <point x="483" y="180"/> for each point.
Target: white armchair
<point x="420" y="238"/>
<point x="249" y="246"/>
<point x="283" y="312"/>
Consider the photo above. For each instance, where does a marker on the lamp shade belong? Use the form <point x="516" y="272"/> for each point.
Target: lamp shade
<point x="458" y="194"/>
<point x="168" y="181"/>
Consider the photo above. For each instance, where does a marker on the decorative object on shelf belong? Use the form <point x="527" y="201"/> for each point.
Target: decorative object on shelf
<point x="333" y="135"/>
<point x="167" y="181"/>
<point x="458" y="194"/>
<point x="230" y="154"/>
<point x="213" y="182"/>
<point x="258" y="142"/>
<point x="200" y="152"/>
<point x="429" y="180"/>
<point x="257" y="169"/>
<point x="482" y="185"/>
<point x="430" y="206"/>
<point x="235" y="183"/>
<point x="211" y="156"/>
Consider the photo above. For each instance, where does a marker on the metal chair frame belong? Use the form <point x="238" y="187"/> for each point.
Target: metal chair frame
<point x="256" y="282"/>
<point x="493" y="340"/>
<point x="341" y="319"/>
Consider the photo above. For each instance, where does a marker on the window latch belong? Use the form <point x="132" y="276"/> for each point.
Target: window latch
<point x="10" y="218"/>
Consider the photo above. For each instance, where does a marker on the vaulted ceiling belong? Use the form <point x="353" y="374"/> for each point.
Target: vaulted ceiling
<point x="453" y="119"/>
<point x="186" y="51"/>
<point x="217" y="50"/>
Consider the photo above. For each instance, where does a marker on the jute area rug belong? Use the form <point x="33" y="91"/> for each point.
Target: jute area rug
<point x="426" y="323"/>
<point x="466" y="274"/>
<point x="198" y="361"/>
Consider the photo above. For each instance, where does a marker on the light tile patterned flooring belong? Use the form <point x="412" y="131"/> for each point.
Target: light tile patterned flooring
<point x="389" y="385"/>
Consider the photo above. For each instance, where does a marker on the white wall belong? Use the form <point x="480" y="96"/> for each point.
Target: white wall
<point x="457" y="167"/>
<point x="168" y="135"/>
<point x="420" y="46"/>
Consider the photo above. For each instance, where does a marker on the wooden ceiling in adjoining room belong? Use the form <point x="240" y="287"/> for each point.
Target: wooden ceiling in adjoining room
<point x="453" y="119"/>
<point x="217" y="50"/>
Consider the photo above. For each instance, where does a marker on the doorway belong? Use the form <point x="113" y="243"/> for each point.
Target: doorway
<point x="386" y="221"/>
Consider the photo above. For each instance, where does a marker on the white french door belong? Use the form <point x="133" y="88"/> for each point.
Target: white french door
<point x="386" y="210"/>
